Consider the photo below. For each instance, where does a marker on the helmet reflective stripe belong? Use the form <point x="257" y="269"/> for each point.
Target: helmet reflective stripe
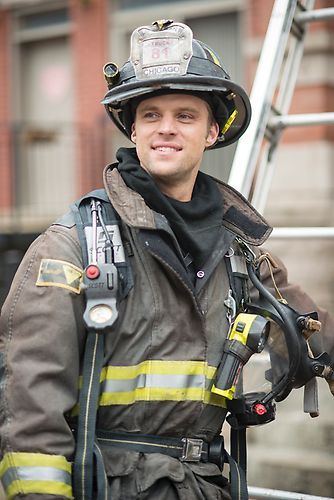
<point x="165" y="58"/>
<point x="230" y="120"/>
<point x="213" y="54"/>
<point x="24" y="473"/>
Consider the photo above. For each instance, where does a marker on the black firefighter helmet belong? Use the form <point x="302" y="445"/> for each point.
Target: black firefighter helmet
<point x="164" y="58"/>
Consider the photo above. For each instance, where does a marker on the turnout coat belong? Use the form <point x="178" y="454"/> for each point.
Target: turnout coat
<point x="160" y="355"/>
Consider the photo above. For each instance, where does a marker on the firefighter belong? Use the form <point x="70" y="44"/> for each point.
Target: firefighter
<point x="117" y="318"/>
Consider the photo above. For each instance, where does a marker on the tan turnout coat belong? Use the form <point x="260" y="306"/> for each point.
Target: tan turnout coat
<point x="162" y="350"/>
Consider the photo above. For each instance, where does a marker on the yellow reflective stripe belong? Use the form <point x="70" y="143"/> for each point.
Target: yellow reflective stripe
<point x="230" y="120"/>
<point x="39" y="487"/>
<point x="213" y="55"/>
<point x="24" y="459"/>
<point x="158" y="367"/>
<point x="24" y="473"/>
<point x="168" y="392"/>
<point x="214" y="399"/>
<point x="149" y="394"/>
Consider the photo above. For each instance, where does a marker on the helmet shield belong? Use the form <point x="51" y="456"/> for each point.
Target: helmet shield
<point x="165" y="58"/>
<point x="157" y="52"/>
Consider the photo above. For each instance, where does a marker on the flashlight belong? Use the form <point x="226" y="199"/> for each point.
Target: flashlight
<point x="247" y="337"/>
<point x="111" y="73"/>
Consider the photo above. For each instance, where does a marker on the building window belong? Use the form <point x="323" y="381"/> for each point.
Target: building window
<point x="135" y="4"/>
<point x="44" y="19"/>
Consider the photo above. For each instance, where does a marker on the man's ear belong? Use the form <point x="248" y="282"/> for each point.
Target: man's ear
<point x="133" y="133"/>
<point x="212" y="134"/>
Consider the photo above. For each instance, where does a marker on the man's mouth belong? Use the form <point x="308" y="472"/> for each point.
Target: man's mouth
<point x="167" y="149"/>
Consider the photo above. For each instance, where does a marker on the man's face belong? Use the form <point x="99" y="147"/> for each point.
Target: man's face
<point x="171" y="133"/>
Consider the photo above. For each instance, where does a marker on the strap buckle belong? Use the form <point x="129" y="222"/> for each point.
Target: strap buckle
<point x="192" y="450"/>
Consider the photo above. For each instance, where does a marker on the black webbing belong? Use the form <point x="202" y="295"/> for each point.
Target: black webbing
<point x="238" y="483"/>
<point x="88" y="463"/>
<point x="83" y="468"/>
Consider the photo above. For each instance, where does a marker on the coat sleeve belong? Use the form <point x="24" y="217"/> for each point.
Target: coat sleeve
<point x="301" y="302"/>
<point x="41" y="342"/>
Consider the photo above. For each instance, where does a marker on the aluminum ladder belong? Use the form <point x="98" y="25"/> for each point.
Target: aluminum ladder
<point x="276" y="74"/>
<point x="254" y="158"/>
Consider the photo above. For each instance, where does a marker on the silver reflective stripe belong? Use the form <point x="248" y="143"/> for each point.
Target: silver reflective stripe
<point x="156" y="381"/>
<point x="36" y="474"/>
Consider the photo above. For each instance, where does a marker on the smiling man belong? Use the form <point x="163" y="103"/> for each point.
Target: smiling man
<point x="129" y="319"/>
<point x="171" y="132"/>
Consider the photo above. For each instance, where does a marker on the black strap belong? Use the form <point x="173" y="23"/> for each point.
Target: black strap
<point x="83" y="468"/>
<point x="238" y="278"/>
<point x="238" y="446"/>
<point x="102" y="486"/>
<point x="238" y="482"/>
<point x="82" y="216"/>
<point x="186" y="449"/>
<point x="238" y="275"/>
<point x="87" y="462"/>
<point x="182" y="449"/>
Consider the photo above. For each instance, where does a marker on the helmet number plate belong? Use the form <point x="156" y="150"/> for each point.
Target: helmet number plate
<point x="161" y="53"/>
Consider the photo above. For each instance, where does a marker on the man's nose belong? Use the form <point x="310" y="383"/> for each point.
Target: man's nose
<point x="167" y="125"/>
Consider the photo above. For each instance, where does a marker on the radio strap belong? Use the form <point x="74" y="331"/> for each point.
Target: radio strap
<point x="97" y="225"/>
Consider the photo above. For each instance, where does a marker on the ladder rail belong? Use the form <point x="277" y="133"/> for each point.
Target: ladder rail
<point x="290" y="69"/>
<point x="317" y="232"/>
<point x="273" y="49"/>
<point x="291" y="64"/>
<point x="253" y="166"/>
<point x="256" y="493"/>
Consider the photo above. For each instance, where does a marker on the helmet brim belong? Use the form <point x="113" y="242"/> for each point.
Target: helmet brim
<point x="118" y="97"/>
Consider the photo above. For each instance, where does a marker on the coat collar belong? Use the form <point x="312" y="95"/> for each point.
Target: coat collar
<point x="239" y="215"/>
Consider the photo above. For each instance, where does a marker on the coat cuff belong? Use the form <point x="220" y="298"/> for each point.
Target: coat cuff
<point x="24" y="473"/>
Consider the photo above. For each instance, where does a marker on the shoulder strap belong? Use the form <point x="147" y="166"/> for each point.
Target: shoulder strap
<point x="238" y="274"/>
<point x="98" y="227"/>
<point x="81" y="210"/>
<point x="238" y="296"/>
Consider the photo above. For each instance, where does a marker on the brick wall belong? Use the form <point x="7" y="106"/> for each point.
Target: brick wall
<point x="89" y="45"/>
<point x="5" y="147"/>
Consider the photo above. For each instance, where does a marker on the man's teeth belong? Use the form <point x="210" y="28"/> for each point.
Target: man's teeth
<point x="166" y="149"/>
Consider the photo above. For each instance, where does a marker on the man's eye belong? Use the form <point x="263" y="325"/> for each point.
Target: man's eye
<point x="185" y="116"/>
<point x="151" y="115"/>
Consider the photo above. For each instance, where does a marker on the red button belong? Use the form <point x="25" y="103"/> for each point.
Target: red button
<point x="92" y="272"/>
<point x="260" y="409"/>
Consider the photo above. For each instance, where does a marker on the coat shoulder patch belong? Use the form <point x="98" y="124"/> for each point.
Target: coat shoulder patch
<point x="61" y="274"/>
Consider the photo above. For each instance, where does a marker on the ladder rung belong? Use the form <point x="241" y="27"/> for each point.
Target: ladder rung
<point x="314" y="15"/>
<point x="302" y="232"/>
<point x="302" y="119"/>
